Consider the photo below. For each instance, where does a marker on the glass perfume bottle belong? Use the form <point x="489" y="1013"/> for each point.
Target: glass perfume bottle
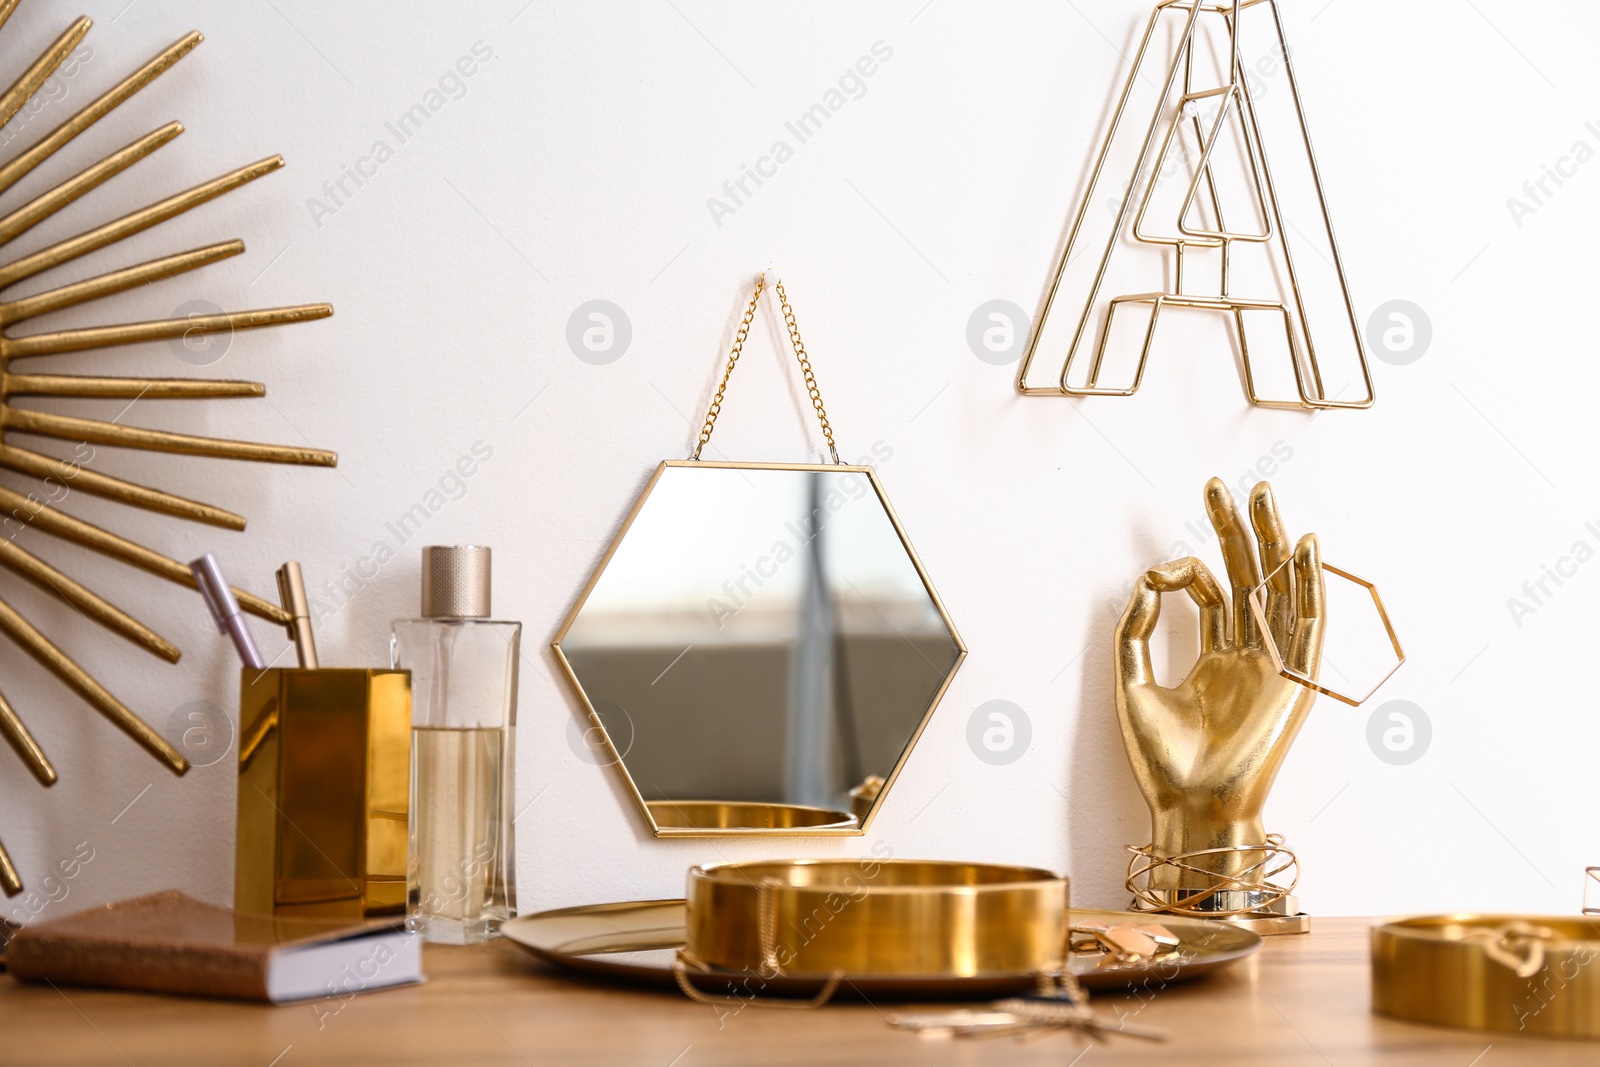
<point x="460" y="876"/>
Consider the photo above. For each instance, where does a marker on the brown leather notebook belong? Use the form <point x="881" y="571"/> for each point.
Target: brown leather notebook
<point x="171" y="943"/>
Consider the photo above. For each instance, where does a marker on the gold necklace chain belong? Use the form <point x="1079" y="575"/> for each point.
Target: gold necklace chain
<point x="800" y="354"/>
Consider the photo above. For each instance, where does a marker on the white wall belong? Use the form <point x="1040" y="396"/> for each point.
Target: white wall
<point x="577" y="165"/>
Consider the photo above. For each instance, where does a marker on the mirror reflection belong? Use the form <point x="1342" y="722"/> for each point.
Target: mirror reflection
<point x="760" y="648"/>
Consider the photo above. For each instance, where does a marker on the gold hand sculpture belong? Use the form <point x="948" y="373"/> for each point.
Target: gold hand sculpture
<point x="1207" y="751"/>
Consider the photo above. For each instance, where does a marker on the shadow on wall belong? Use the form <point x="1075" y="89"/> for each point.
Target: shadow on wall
<point x="1105" y="810"/>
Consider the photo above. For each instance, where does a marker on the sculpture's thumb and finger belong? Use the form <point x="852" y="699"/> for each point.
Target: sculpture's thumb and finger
<point x="1144" y="611"/>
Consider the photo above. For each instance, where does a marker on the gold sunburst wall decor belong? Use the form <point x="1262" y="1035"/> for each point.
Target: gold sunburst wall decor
<point x="17" y="346"/>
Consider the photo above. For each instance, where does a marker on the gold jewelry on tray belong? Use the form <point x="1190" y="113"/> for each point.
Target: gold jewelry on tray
<point x="1530" y="974"/>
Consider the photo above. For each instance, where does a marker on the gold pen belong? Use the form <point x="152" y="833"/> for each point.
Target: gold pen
<point x="292" y="592"/>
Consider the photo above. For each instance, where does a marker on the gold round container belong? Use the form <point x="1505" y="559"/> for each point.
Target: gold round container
<point x="879" y="918"/>
<point x="728" y="815"/>
<point x="1529" y="974"/>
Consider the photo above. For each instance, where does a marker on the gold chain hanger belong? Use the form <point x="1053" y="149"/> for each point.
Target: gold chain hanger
<point x="799" y="352"/>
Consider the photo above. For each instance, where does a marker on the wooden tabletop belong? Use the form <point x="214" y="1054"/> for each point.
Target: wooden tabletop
<point x="1300" y="1000"/>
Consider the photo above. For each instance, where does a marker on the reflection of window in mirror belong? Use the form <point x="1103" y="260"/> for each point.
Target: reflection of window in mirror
<point x="766" y="636"/>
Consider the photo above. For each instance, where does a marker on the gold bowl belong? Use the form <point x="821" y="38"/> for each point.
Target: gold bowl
<point x="1529" y="974"/>
<point x="881" y="917"/>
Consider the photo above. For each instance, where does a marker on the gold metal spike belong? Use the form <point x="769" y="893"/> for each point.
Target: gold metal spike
<point x="10" y="881"/>
<point x="133" y="222"/>
<point x="48" y="203"/>
<point x="45" y="468"/>
<point x="106" y="614"/>
<point x="37" y="645"/>
<point x="21" y="511"/>
<point x="50" y="344"/>
<point x="73" y="428"/>
<point x="117" y="281"/>
<point x="126" y="388"/>
<point x="11" y="725"/>
<point x="95" y="110"/>
<point x="12" y="99"/>
<point x="56" y="478"/>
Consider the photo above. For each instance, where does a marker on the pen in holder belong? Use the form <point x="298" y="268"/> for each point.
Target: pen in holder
<point x="324" y="782"/>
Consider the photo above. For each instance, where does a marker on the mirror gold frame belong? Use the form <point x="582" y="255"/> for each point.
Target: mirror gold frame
<point x="780" y="824"/>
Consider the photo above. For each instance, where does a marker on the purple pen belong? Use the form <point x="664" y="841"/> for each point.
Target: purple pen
<point x="225" y="609"/>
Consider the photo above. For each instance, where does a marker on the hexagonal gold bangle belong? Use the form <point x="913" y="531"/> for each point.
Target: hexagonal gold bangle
<point x="1258" y="608"/>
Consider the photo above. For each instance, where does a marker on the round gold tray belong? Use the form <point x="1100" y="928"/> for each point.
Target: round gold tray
<point x="638" y="941"/>
<point x="1524" y="973"/>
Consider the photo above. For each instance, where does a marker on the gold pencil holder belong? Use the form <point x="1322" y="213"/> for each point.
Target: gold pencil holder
<point x="324" y="792"/>
<point x="880" y="918"/>
<point x="1529" y="974"/>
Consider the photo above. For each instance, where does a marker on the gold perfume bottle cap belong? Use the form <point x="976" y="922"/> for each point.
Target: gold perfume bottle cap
<point x="455" y="582"/>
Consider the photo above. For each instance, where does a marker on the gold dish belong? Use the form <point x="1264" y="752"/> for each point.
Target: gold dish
<point x="1528" y="974"/>
<point x="638" y="941"/>
<point x="727" y="815"/>
<point x="894" y="918"/>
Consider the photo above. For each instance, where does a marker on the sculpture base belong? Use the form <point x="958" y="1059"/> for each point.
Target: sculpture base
<point x="1282" y="916"/>
<point x="1268" y="925"/>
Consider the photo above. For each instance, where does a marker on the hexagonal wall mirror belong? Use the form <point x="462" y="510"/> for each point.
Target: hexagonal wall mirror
<point x="760" y="649"/>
